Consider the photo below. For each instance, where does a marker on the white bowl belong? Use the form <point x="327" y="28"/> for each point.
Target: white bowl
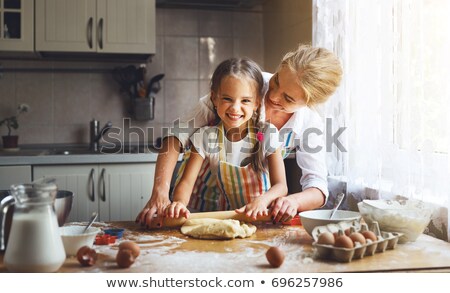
<point x="73" y="238"/>
<point x="314" y="218"/>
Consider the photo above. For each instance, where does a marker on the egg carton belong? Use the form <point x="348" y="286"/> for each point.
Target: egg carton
<point x="385" y="241"/>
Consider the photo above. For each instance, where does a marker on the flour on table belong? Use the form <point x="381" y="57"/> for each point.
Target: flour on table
<point x="217" y="229"/>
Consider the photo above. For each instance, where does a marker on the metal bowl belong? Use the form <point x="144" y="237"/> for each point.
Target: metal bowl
<point x="314" y="218"/>
<point x="63" y="205"/>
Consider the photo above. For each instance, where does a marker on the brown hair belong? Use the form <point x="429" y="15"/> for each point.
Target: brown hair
<point x="319" y="72"/>
<point x="248" y="69"/>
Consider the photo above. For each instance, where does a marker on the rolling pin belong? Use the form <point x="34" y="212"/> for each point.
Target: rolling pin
<point x="222" y="215"/>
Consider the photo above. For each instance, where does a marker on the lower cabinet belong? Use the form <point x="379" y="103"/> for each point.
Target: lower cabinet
<point x="117" y="192"/>
<point x="10" y="175"/>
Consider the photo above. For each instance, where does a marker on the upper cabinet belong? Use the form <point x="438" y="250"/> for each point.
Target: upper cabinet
<point x="16" y="25"/>
<point x="102" y="26"/>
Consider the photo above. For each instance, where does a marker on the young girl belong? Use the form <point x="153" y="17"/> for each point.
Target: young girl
<point x="242" y="150"/>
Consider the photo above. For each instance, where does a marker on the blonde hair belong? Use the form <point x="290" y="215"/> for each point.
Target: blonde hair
<point x="318" y="70"/>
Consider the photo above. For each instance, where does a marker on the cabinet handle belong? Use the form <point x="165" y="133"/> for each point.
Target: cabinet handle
<point x="102" y="180"/>
<point x="100" y="33"/>
<point x="91" y="182"/>
<point x="89" y="31"/>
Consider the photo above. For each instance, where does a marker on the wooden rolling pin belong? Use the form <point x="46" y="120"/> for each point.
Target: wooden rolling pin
<point x="222" y="215"/>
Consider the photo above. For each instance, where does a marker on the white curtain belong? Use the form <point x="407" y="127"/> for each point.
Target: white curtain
<point x="394" y="98"/>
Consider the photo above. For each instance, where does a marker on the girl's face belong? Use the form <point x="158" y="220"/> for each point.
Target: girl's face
<point x="284" y="93"/>
<point x="235" y="102"/>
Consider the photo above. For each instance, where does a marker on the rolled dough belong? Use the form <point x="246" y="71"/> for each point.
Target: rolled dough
<point x="217" y="229"/>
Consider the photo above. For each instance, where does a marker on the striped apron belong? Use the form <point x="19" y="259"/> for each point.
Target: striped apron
<point x="239" y="185"/>
<point x="206" y="196"/>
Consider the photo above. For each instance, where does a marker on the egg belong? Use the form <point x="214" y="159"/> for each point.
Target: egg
<point x="86" y="256"/>
<point x="326" y="238"/>
<point x="275" y="256"/>
<point x="135" y="249"/>
<point x="369" y="235"/>
<point x="344" y="241"/>
<point x="358" y="237"/>
<point x="125" y="258"/>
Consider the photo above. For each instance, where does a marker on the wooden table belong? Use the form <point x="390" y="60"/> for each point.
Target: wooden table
<point x="168" y="251"/>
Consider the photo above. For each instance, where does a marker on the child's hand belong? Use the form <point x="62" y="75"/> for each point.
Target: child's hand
<point x="255" y="209"/>
<point x="176" y="210"/>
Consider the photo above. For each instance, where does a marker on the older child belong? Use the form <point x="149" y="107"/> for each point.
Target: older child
<point x="242" y="150"/>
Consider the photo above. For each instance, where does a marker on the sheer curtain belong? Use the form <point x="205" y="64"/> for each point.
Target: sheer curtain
<point x="394" y="98"/>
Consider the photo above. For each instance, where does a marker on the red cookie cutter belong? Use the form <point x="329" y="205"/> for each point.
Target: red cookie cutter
<point x="105" y="239"/>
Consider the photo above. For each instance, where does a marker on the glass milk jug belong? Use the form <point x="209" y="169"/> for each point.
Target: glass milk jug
<point x="34" y="243"/>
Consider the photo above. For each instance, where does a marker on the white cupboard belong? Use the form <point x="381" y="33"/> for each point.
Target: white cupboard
<point x="10" y="175"/>
<point x="17" y="25"/>
<point x="104" y="26"/>
<point x="117" y="192"/>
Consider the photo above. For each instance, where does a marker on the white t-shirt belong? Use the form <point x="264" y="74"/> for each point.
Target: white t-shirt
<point x="303" y="124"/>
<point x="205" y="141"/>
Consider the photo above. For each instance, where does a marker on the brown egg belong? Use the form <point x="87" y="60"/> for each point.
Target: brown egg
<point x="369" y="235"/>
<point x="275" y="256"/>
<point x="358" y="237"/>
<point x="125" y="258"/>
<point x="131" y="246"/>
<point x="344" y="241"/>
<point x="86" y="256"/>
<point x="326" y="238"/>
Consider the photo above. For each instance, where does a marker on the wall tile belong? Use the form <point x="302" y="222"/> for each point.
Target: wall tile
<point x="180" y="22"/>
<point x="71" y="133"/>
<point x="247" y="24"/>
<point x="215" y="23"/>
<point x="251" y="47"/>
<point x="160" y="21"/>
<point x="213" y="51"/>
<point x="181" y="97"/>
<point x="35" y="134"/>
<point x="156" y="65"/>
<point x="181" y="58"/>
<point x="204" y="87"/>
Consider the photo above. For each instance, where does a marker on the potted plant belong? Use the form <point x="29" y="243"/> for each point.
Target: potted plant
<point x="11" y="141"/>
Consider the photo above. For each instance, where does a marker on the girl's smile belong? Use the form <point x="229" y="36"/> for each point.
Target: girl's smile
<point x="235" y="102"/>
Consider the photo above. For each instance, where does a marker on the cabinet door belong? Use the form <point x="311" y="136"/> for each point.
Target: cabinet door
<point x="10" y="175"/>
<point x="127" y="189"/>
<point x="81" y="180"/>
<point x="66" y="25"/>
<point x="126" y="26"/>
<point x="16" y="25"/>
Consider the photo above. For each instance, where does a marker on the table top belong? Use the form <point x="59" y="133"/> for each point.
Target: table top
<point x="168" y="251"/>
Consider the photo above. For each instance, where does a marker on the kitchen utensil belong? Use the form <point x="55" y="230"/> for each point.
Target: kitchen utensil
<point x="154" y="85"/>
<point x="75" y="237"/>
<point x="222" y="215"/>
<point x="34" y="243"/>
<point x="338" y="202"/>
<point x="93" y="217"/>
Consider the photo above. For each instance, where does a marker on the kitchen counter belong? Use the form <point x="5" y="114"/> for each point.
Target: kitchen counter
<point x="168" y="251"/>
<point x="45" y="159"/>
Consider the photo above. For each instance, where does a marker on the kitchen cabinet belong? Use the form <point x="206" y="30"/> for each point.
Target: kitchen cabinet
<point x="117" y="192"/>
<point x="10" y="175"/>
<point x="17" y="25"/>
<point x="103" y="26"/>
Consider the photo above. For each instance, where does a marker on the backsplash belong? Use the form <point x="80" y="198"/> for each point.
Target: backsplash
<point x="190" y="43"/>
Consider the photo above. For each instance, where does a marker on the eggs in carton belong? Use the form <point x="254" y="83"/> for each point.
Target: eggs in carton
<point x="345" y="251"/>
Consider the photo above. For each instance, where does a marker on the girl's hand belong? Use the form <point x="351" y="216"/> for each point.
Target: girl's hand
<point x="284" y="209"/>
<point x="176" y="210"/>
<point x="255" y="209"/>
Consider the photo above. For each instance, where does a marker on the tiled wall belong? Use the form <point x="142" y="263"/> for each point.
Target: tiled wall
<point x="190" y="43"/>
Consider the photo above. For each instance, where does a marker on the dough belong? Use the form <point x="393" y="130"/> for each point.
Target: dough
<point x="217" y="229"/>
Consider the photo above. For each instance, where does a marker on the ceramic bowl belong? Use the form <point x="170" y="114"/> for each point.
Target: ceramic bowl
<point x="311" y="219"/>
<point x="73" y="238"/>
